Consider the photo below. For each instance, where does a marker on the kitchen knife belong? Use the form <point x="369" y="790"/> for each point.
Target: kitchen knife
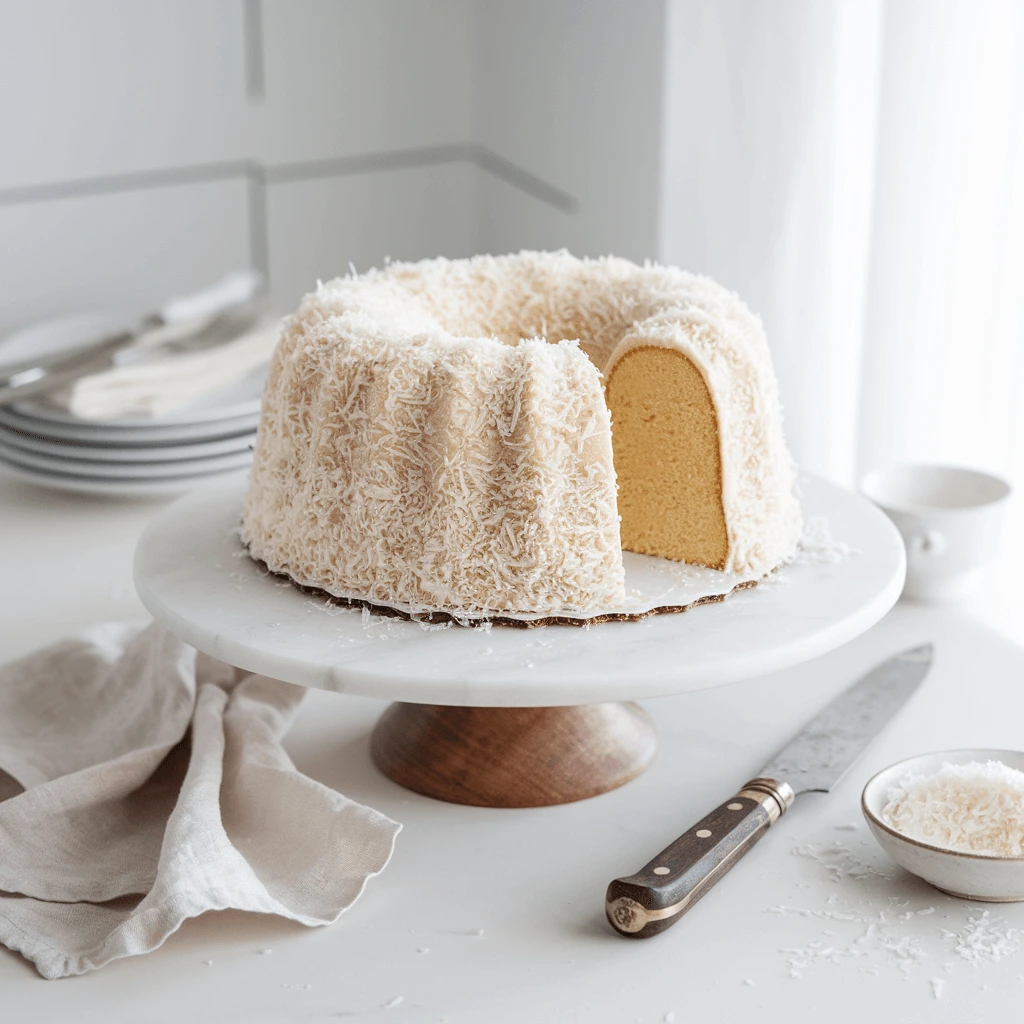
<point x="653" y="899"/>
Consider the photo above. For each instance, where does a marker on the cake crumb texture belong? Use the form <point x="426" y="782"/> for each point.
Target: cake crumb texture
<point x="667" y="456"/>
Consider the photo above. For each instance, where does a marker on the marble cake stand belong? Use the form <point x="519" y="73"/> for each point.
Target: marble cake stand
<point x="502" y="716"/>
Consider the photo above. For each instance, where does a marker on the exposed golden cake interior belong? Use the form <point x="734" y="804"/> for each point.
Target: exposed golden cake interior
<point x="667" y="456"/>
<point x="445" y="435"/>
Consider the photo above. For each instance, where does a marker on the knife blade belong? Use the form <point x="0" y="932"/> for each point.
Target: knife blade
<point x="652" y="900"/>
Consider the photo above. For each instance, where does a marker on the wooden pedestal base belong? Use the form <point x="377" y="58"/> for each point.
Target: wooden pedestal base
<point x="513" y="757"/>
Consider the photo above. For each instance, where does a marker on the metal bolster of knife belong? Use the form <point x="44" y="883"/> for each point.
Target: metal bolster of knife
<point x="774" y="796"/>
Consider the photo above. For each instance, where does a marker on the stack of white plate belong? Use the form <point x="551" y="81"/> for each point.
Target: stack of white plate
<point x="133" y="457"/>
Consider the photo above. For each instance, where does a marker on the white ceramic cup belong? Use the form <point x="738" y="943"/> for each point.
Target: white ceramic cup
<point x="950" y="520"/>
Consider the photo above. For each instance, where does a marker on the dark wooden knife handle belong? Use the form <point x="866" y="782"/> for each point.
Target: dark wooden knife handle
<point x="653" y="899"/>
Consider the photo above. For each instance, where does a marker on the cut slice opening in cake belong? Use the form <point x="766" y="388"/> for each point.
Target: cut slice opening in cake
<point x="667" y="457"/>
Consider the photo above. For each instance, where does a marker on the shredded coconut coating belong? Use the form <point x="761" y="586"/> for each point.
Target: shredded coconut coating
<point x="434" y="434"/>
<point x="972" y="808"/>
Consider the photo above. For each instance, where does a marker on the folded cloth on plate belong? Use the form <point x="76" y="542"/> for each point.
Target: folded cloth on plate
<point x="145" y="382"/>
<point x="156" y="788"/>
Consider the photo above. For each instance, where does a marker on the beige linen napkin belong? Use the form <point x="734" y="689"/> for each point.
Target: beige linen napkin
<point x="156" y="788"/>
<point x="145" y="385"/>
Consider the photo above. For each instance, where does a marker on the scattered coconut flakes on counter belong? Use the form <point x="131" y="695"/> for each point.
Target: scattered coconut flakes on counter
<point x="879" y="931"/>
<point x="880" y="936"/>
<point x="974" y="808"/>
<point x="797" y="960"/>
<point x="840" y="861"/>
<point x="984" y="940"/>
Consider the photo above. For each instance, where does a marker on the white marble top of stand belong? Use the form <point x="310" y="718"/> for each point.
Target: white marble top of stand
<point x="193" y="574"/>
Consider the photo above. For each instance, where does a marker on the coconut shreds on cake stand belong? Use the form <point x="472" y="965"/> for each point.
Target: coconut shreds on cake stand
<point x="510" y="717"/>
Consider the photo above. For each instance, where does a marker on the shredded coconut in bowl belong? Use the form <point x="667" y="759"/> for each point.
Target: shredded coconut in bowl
<point x="969" y="808"/>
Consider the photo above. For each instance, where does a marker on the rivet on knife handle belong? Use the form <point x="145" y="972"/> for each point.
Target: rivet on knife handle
<point x="662" y="891"/>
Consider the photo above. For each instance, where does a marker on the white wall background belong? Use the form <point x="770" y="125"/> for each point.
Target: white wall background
<point x="572" y="92"/>
<point x="134" y="134"/>
<point x="146" y="148"/>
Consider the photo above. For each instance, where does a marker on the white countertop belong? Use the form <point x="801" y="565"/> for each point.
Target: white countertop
<point x="533" y="880"/>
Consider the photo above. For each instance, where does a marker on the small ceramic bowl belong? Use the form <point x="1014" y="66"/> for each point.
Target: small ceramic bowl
<point x="970" y="875"/>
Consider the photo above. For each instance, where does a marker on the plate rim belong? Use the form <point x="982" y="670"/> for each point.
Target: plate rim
<point x="148" y="487"/>
<point x="120" y="470"/>
<point x="42" y="414"/>
<point x="153" y="435"/>
<point x="126" y="453"/>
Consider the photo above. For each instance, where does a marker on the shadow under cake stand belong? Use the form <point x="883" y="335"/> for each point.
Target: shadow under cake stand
<point x="500" y="716"/>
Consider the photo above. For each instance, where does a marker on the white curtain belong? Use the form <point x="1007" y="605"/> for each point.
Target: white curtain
<point x="768" y="161"/>
<point x="855" y="169"/>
